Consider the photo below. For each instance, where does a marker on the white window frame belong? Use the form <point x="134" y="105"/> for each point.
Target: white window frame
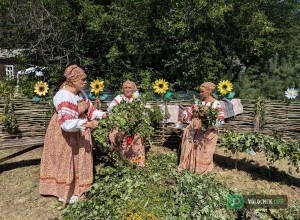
<point x="9" y="70"/>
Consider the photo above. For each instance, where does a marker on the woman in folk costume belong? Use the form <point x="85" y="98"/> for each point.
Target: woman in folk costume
<point x="131" y="147"/>
<point x="198" y="147"/>
<point x="67" y="163"/>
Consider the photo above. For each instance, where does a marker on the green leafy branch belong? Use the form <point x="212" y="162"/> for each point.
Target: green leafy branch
<point x="131" y="118"/>
<point x="207" y="115"/>
<point x="274" y="147"/>
<point x="156" y="192"/>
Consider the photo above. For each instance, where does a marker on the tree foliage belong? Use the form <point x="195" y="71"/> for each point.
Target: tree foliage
<point x="185" y="42"/>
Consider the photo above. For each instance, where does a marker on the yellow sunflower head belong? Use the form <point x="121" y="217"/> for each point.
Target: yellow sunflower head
<point x="97" y="86"/>
<point x="224" y="87"/>
<point x="160" y="86"/>
<point x="41" y="88"/>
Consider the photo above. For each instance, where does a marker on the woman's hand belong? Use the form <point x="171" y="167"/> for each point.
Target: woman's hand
<point x="196" y="123"/>
<point x="92" y="124"/>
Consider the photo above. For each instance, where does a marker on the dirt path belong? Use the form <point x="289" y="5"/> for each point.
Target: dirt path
<point x="19" y="182"/>
<point x="19" y="178"/>
<point x="253" y="175"/>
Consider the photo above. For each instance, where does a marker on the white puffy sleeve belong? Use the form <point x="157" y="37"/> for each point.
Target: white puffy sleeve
<point x="114" y="102"/>
<point x="188" y="113"/>
<point x="67" y="109"/>
<point x="220" y="118"/>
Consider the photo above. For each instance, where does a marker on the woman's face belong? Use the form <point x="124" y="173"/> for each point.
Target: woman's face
<point x="128" y="91"/>
<point x="80" y="84"/>
<point x="204" y="94"/>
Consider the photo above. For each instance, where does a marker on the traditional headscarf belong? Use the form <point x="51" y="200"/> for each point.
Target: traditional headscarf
<point x="130" y="84"/>
<point x="208" y="86"/>
<point x="74" y="73"/>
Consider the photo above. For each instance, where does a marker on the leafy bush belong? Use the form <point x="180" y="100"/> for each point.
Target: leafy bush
<point x="156" y="116"/>
<point x="10" y="123"/>
<point x="274" y="147"/>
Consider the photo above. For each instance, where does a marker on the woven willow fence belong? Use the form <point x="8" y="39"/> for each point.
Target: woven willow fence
<point x="32" y="118"/>
<point x="169" y="135"/>
<point x="261" y="116"/>
<point x="266" y="117"/>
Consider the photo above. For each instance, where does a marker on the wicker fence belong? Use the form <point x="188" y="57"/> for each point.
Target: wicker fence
<point x="33" y="118"/>
<point x="169" y="135"/>
<point x="278" y="116"/>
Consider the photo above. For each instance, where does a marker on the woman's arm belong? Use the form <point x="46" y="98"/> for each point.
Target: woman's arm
<point x="67" y="110"/>
<point x="93" y="113"/>
<point x="220" y="118"/>
<point x="114" y="102"/>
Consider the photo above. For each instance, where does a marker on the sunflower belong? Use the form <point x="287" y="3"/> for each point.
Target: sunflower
<point x="97" y="86"/>
<point x="41" y="88"/>
<point x="160" y="86"/>
<point x="224" y="87"/>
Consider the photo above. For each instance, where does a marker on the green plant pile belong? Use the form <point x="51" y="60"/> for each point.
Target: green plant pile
<point x="131" y="118"/>
<point x="274" y="147"/>
<point x="158" y="191"/>
<point x="155" y="192"/>
<point x="292" y="212"/>
<point x="207" y="115"/>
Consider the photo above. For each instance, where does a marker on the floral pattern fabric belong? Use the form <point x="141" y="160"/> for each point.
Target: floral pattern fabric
<point x="197" y="146"/>
<point x="197" y="149"/>
<point x="133" y="150"/>
<point x="67" y="164"/>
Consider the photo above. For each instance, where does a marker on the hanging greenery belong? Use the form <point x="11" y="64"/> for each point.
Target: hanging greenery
<point x="259" y="117"/>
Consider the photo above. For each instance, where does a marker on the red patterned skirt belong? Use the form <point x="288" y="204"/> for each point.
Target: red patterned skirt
<point x="197" y="150"/>
<point x="131" y="147"/>
<point x="67" y="163"/>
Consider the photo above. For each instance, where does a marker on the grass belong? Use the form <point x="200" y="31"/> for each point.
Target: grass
<point x="19" y="182"/>
<point x="19" y="189"/>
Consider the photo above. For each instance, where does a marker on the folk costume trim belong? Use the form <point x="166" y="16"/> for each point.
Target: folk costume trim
<point x="67" y="111"/>
<point x="117" y="101"/>
<point x="82" y="183"/>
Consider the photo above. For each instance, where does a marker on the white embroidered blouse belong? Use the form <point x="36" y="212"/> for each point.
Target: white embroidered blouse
<point x="66" y="106"/>
<point x="119" y="98"/>
<point x="188" y="112"/>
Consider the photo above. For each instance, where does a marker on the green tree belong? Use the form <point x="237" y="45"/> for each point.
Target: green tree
<point x="185" y="42"/>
